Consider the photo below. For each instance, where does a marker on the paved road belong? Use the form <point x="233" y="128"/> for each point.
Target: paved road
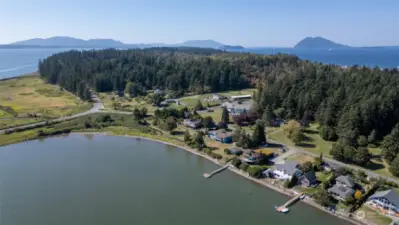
<point x="97" y="106"/>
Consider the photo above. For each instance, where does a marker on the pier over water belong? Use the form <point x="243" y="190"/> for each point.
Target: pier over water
<point x="209" y="175"/>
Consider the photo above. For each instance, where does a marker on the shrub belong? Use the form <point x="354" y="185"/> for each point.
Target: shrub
<point x="216" y="155"/>
<point x="236" y="162"/>
<point x="244" y="166"/>
<point x="254" y="171"/>
<point x="207" y="151"/>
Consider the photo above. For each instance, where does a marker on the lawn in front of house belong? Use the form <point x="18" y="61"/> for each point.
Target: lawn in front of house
<point x="30" y="99"/>
<point x="323" y="176"/>
<point x="374" y="216"/>
<point x="216" y="114"/>
<point x="300" y="158"/>
<point x="314" y="142"/>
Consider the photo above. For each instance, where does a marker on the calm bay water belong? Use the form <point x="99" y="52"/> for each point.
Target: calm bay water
<point x="105" y="180"/>
<point x="15" y="62"/>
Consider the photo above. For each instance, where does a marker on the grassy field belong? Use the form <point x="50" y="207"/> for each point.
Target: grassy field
<point x="375" y="217"/>
<point x="313" y="144"/>
<point x="6" y="139"/>
<point x="30" y="99"/>
<point x="301" y="158"/>
<point x="126" y="103"/>
<point x="216" y="114"/>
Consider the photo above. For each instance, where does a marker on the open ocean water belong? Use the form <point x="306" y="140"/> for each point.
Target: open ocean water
<point x="16" y="62"/>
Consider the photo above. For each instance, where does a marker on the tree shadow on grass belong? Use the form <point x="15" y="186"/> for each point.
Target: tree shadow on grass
<point x="306" y="131"/>
<point x="375" y="166"/>
<point x="175" y="132"/>
<point x="307" y="145"/>
<point x="274" y="145"/>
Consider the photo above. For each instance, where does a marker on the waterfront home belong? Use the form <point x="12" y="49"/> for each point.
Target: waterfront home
<point x="341" y="192"/>
<point x="238" y="108"/>
<point x="252" y="157"/>
<point x="192" y="123"/>
<point x="343" y="188"/>
<point x="345" y="181"/>
<point x="267" y="173"/>
<point x="235" y="150"/>
<point x="221" y="135"/>
<point x="286" y="170"/>
<point x="240" y="97"/>
<point x="386" y="202"/>
<point x="308" y="179"/>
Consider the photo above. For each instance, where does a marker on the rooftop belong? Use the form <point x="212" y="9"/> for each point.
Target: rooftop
<point x="221" y="133"/>
<point x="243" y="105"/>
<point x="390" y="195"/>
<point x="310" y="176"/>
<point x="347" y="180"/>
<point x="290" y="167"/>
<point x="343" y="192"/>
<point x="241" y="96"/>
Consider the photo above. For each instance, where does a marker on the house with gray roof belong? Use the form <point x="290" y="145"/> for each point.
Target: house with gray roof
<point x="286" y="170"/>
<point x="386" y="202"/>
<point x="238" y="108"/>
<point x="346" y="181"/>
<point x="343" y="188"/>
<point x="196" y="123"/>
<point x="308" y="179"/>
<point x="341" y="192"/>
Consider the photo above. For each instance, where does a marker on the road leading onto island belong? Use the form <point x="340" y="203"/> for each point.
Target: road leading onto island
<point x="105" y="180"/>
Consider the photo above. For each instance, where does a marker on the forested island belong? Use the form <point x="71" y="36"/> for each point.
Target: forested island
<point x="356" y="106"/>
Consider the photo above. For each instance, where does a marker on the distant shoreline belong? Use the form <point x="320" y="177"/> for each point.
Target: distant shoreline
<point x="36" y="73"/>
<point x="234" y="170"/>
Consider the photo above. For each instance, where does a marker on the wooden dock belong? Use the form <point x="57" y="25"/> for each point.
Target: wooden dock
<point x="284" y="208"/>
<point x="208" y="175"/>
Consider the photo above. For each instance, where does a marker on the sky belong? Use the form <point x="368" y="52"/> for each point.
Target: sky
<point x="251" y="23"/>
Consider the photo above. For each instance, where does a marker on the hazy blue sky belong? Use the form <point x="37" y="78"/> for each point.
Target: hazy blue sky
<point x="245" y="22"/>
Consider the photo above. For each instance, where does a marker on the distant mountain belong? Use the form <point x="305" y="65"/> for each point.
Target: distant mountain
<point x="69" y="42"/>
<point x="201" y="44"/>
<point x="319" y="43"/>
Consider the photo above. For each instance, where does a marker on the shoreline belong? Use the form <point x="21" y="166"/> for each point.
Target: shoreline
<point x="234" y="170"/>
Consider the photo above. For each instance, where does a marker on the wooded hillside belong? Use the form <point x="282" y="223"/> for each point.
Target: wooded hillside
<point x="348" y="103"/>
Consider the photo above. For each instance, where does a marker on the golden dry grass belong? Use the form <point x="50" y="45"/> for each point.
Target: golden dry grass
<point x="28" y="99"/>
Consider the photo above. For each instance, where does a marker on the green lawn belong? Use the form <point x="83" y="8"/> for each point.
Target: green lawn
<point x="248" y="91"/>
<point x="313" y="144"/>
<point x="216" y="114"/>
<point x="323" y="176"/>
<point x="16" y="137"/>
<point x="375" y="217"/>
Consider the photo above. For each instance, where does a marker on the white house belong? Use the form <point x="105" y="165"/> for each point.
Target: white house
<point x="387" y="202"/>
<point x="286" y="170"/>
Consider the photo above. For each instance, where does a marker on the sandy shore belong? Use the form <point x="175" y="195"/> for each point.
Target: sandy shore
<point x="234" y="170"/>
